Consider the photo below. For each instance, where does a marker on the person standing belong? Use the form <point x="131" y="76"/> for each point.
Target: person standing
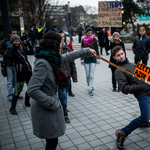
<point x="141" y="46"/>
<point x="131" y="85"/>
<point x="89" y="40"/>
<point x="24" y="71"/>
<point x="103" y="40"/>
<point x="40" y="32"/>
<point x="115" y="41"/>
<point x="46" y="109"/>
<point x="10" y="67"/>
<point x="33" y="36"/>
<point x="69" y="69"/>
<point x="80" y="32"/>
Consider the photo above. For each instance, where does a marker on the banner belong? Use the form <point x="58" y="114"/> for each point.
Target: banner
<point x="142" y="71"/>
<point x="109" y="14"/>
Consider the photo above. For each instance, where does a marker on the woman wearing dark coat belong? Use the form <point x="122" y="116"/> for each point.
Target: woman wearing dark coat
<point x="116" y="41"/>
<point x="103" y="40"/>
<point x="46" y="109"/>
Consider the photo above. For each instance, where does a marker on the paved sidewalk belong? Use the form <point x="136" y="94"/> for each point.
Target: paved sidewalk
<point x="93" y="119"/>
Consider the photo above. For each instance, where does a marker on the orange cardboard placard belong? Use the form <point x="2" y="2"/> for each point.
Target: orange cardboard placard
<point x="142" y="71"/>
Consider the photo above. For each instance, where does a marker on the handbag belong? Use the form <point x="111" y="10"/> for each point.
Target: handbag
<point x="3" y="69"/>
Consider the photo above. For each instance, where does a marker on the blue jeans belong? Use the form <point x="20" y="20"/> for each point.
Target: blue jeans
<point x="11" y="81"/>
<point x="63" y="96"/>
<point x="144" y="103"/>
<point x="33" y="41"/>
<point x="90" y="70"/>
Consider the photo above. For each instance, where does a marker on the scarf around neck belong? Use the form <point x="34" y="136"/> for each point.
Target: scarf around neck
<point x="55" y="61"/>
<point x="87" y="41"/>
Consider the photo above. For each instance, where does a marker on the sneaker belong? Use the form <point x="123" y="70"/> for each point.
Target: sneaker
<point x="120" y="138"/>
<point x="71" y="94"/>
<point x="114" y="90"/>
<point x="91" y="93"/>
<point x="20" y="97"/>
<point x="67" y="110"/>
<point x="67" y="120"/>
<point x="146" y="125"/>
<point x="92" y="88"/>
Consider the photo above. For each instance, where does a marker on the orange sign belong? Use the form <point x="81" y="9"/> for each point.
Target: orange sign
<point x="142" y="71"/>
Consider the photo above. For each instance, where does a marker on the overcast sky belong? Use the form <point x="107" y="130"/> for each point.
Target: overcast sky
<point x="83" y="2"/>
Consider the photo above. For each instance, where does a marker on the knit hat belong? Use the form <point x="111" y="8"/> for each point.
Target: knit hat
<point x="116" y="34"/>
<point x="13" y="38"/>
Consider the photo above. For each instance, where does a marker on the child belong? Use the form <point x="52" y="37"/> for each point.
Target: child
<point x="89" y="40"/>
<point x="116" y="41"/>
<point x="141" y="46"/>
<point x="130" y="85"/>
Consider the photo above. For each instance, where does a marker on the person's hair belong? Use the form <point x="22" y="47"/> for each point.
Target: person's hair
<point x="12" y="29"/>
<point x="116" y="49"/>
<point x="20" y="47"/>
<point x="142" y="28"/>
<point x="88" y="29"/>
<point x="51" y="40"/>
<point x="60" y="31"/>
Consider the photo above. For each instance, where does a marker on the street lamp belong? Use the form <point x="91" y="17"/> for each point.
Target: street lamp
<point x="69" y="19"/>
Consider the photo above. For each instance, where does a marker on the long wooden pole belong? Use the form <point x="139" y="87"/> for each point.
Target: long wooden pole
<point x="122" y="69"/>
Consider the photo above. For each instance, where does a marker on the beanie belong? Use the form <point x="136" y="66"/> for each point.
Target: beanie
<point x="13" y="38"/>
<point x="116" y="34"/>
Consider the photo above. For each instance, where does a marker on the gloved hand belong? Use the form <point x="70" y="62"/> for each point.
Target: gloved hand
<point x="82" y="62"/>
<point x="8" y="44"/>
<point x="27" y="40"/>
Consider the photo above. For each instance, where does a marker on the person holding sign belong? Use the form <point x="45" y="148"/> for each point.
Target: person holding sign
<point x="130" y="85"/>
<point x="141" y="46"/>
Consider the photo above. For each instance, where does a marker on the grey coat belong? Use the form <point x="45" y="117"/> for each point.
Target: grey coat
<point x="47" y="119"/>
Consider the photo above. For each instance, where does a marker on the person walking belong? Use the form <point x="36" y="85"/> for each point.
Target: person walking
<point x="10" y="67"/>
<point x="46" y="109"/>
<point x="141" y="46"/>
<point x="24" y="71"/>
<point x="33" y="36"/>
<point x="80" y="33"/>
<point x="131" y="85"/>
<point x="115" y="41"/>
<point x="103" y="41"/>
<point x="69" y="69"/>
<point x="89" y="40"/>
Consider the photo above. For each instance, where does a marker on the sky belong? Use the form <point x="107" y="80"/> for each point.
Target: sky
<point x="83" y="2"/>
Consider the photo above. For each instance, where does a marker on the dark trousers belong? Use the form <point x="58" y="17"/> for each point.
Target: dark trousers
<point x="113" y="78"/>
<point x="51" y="144"/>
<point x="143" y="61"/>
<point x="70" y="87"/>
<point x="79" y="38"/>
<point x="101" y="50"/>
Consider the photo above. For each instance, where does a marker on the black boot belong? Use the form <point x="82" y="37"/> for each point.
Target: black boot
<point x="27" y="98"/>
<point x="13" y="105"/>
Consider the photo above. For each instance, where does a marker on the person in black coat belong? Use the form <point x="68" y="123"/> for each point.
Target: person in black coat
<point x="103" y="40"/>
<point x="33" y="36"/>
<point x="141" y="46"/>
<point x="116" y="41"/>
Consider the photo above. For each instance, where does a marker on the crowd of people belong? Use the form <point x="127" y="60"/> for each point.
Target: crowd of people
<point x="49" y="83"/>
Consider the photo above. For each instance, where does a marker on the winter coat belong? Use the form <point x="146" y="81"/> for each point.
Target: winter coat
<point x="80" y="31"/>
<point x="141" y="49"/>
<point x="20" y="59"/>
<point x="103" y="38"/>
<point x="3" y="49"/>
<point x="69" y="68"/>
<point x="47" y="119"/>
<point x="112" y="45"/>
<point x="33" y="34"/>
<point x="129" y="84"/>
